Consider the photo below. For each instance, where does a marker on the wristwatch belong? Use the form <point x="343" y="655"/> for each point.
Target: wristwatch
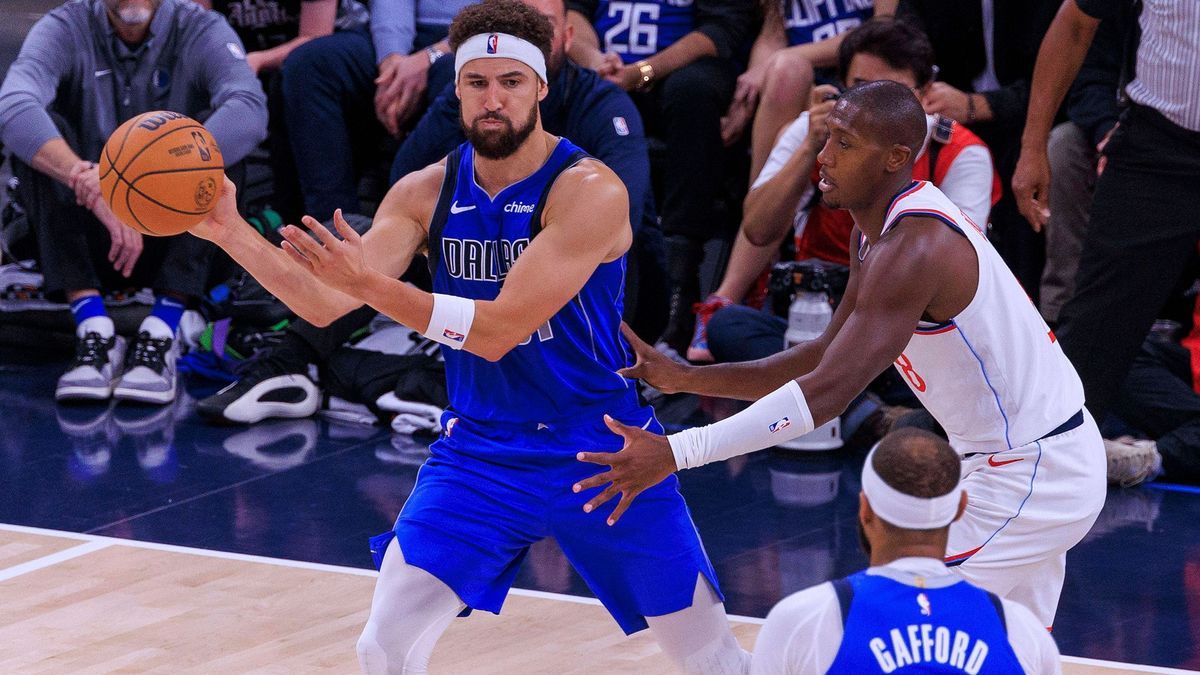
<point x="434" y="54"/>
<point x="647" y="72"/>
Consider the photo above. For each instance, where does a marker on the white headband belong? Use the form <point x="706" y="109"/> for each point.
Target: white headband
<point x="500" y="46"/>
<point x="907" y="511"/>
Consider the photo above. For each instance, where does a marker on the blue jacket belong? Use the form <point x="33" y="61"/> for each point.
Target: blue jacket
<point x="592" y="113"/>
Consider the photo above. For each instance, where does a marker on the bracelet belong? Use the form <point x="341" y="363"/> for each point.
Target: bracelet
<point x="970" y="108"/>
<point x="647" y="72"/>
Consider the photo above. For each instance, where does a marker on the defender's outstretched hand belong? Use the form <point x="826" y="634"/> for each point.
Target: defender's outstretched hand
<point x="645" y="461"/>
<point x="338" y="263"/>
<point x="652" y="366"/>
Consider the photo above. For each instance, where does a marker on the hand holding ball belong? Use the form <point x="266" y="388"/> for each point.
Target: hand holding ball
<point x="161" y="173"/>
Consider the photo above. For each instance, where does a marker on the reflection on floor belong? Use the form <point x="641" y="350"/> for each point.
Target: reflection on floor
<point x="310" y="490"/>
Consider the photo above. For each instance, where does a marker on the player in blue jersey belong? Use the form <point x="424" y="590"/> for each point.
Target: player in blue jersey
<point x="908" y="612"/>
<point x="526" y="238"/>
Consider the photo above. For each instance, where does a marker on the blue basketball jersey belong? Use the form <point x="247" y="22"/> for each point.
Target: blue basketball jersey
<point x="567" y="369"/>
<point x="637" y="30"/>
<point x="892" y="626"/>
<point x="807" y="21"/>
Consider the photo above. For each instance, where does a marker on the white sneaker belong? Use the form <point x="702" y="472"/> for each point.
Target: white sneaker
<point x="95" y="370"/>
<point x="150" y="371"/>
<point x="1132" y="461"/>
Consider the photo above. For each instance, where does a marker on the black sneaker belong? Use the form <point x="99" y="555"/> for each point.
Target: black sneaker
<point x="270" y="386"/>
<point x="150" y="371"/>
<point x="94" y="371"/>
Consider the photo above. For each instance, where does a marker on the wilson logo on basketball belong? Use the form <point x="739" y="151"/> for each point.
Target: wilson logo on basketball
<point x="153" y="122"/>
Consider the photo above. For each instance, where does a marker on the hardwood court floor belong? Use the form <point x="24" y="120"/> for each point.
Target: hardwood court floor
<point x="80" y="603"/>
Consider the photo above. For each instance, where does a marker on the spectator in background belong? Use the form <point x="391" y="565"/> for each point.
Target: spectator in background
<point x="1144" y="227"/>
<point x="57" y="109"/>
<point x="1073" y="150"/>
<point x="676" y="60"/>
<point x="797" y="45"/>
<point x="348" y="93"/>
<point x="985" y="50"/>
<point x="270" y="30"/>
<point x="782" y="198"/>
<point x="582" y="107"/>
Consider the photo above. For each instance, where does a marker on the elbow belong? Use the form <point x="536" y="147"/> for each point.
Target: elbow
<point x="756" y="236"/>
<point x="492" y="353"/>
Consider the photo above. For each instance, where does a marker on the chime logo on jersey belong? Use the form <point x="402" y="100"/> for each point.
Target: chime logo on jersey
<point x="487" y="260"/>
<point x="493" y="43"/>
<point x="780" y="425"/>
<point x="518" y="207"/>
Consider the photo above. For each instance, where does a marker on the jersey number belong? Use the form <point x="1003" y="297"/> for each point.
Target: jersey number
<point x="906" y="367"/>
<point x="544" y="332"/>
<point x="637" y="18"/>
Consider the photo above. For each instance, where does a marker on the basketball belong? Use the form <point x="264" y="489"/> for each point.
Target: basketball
<point x="161" y="173"/>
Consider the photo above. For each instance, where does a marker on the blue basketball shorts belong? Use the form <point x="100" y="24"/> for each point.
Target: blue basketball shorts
<point x="489" y="491"/>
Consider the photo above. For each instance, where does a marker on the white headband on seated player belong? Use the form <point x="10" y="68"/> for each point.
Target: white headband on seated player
<point x="907" y="511"/>
<point x="500" y="46"/>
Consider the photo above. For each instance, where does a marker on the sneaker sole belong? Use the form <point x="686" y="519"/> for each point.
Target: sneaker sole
<point x="248" y="409"/>
<point x="82" y="394"/>
<point x="141" y="396"/>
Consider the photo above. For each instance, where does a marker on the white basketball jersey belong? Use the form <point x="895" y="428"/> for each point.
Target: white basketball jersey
<point x="994" y="376"/>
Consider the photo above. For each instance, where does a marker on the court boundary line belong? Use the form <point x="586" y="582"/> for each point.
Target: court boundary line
<point x="51" y="559"/>
<point x="100" y="542"/>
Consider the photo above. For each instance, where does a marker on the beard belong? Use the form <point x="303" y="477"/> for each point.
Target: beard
<point x="503" y="142"/>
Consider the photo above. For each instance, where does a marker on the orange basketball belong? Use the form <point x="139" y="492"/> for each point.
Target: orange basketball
<point x="161" y="173"/>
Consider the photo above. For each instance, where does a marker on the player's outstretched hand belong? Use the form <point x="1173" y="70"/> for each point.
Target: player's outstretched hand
<point x="652" y="366"/>
<point x="338" y="263"/>
<point x="645" y="461"/>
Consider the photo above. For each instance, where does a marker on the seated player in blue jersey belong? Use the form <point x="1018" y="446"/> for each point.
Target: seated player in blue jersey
<point x="908" y="608"/>
<point x="526" y="237"/>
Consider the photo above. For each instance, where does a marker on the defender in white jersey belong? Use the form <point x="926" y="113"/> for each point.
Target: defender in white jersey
<point x="929" y="295"/>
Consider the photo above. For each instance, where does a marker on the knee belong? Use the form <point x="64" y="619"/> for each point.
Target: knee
<point x="397" y="654"/>
<point x="311" y="64"/>
<point x="372" y="658"/>
<point x="696" y="88"/>
<point x="787" y="80"/>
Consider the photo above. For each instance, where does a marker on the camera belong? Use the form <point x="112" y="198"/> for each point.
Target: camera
<point x="814" y="275"/>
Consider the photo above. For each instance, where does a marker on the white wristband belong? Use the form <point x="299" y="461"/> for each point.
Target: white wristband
<point x="775" y="418"/>
<point x="450" y="322"/>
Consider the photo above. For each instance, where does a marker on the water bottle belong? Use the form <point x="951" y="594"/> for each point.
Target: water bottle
<point x="808" y="317"/>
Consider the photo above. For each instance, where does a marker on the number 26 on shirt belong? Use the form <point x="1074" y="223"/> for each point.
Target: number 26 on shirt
<point x="636" y="18"/>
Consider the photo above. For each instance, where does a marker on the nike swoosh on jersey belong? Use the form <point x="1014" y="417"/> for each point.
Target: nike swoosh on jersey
<point x="102" y="73"/>
<point x="992" y="461"/>
<point x="455" y="208"/>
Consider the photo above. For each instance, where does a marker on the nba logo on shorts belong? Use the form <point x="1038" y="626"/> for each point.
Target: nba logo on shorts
<point x="451" y="335"/>
<point x="780" y="425"/>
<point x="492" y="43"/>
